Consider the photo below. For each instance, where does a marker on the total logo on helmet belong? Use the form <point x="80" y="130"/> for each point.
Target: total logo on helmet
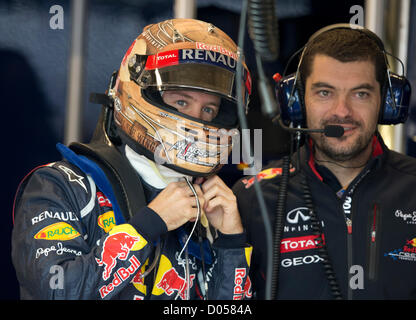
<point x="174" y="57"/>
<point x="169" y="281"/>
<point x="117" y="246"/>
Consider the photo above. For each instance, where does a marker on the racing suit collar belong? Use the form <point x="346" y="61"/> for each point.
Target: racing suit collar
<point x="153" y="174"/>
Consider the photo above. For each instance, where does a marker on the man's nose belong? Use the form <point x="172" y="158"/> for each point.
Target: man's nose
<point x="342" y="107"/>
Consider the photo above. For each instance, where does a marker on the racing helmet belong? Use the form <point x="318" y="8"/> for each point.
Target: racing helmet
<point x="179" y="54"/>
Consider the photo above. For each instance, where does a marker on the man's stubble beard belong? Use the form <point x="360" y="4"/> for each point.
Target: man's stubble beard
<point x="342" y="154"/>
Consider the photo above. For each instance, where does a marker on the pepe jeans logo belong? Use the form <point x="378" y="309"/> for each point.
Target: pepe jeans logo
<point x="409" y="218"/>
<point x="59" y="249"/>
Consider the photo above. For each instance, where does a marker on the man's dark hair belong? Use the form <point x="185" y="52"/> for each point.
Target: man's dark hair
<point x="345" y="45"/>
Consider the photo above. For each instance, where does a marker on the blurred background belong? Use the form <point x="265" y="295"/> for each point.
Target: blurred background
<point x="54" y="53"/>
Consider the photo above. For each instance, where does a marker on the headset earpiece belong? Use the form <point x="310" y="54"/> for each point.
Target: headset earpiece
<point x="289" y="101"/>
<point x="396" y="111"/>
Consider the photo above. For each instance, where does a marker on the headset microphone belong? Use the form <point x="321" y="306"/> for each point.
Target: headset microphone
<point x="332" y="131"/>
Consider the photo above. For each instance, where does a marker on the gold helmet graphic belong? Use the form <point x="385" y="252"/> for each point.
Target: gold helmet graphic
<point x="179" y="54"/>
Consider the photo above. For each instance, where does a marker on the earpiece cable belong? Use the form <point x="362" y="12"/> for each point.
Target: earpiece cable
<point x="190" y="235"/>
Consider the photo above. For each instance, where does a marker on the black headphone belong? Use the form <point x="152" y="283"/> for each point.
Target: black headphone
<point x="393" y="111"/>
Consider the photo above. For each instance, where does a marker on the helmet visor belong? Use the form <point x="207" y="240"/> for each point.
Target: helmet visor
<point x="196" y="69"/>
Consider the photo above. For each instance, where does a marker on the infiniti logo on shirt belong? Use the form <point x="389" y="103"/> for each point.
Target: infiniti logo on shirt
<point x="294" y="215"/>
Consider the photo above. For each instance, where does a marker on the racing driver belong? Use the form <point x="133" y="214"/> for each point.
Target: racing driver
<point x="139" y="212"/>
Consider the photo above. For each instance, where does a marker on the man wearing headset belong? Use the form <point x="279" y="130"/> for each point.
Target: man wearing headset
<point x="125" y="216"/>
<point x="347" y="228"/>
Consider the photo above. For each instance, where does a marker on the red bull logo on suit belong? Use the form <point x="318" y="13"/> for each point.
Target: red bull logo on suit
<point x="120" y="276"/>
<point x="171" y="281"/>
<point x="117" y="246"/>
<point x="121" y="240"/>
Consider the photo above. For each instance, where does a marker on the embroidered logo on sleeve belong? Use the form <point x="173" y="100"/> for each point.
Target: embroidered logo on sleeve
<point x="73" y="177"/>
<point x="57" y="231"/>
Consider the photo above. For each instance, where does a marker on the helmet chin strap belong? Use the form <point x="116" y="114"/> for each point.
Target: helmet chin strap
<point x="156" y="175"/>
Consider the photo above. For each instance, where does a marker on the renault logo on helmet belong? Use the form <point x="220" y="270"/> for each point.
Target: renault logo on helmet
<point x="294" y="215"/>
<point x="208" y="56"/>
